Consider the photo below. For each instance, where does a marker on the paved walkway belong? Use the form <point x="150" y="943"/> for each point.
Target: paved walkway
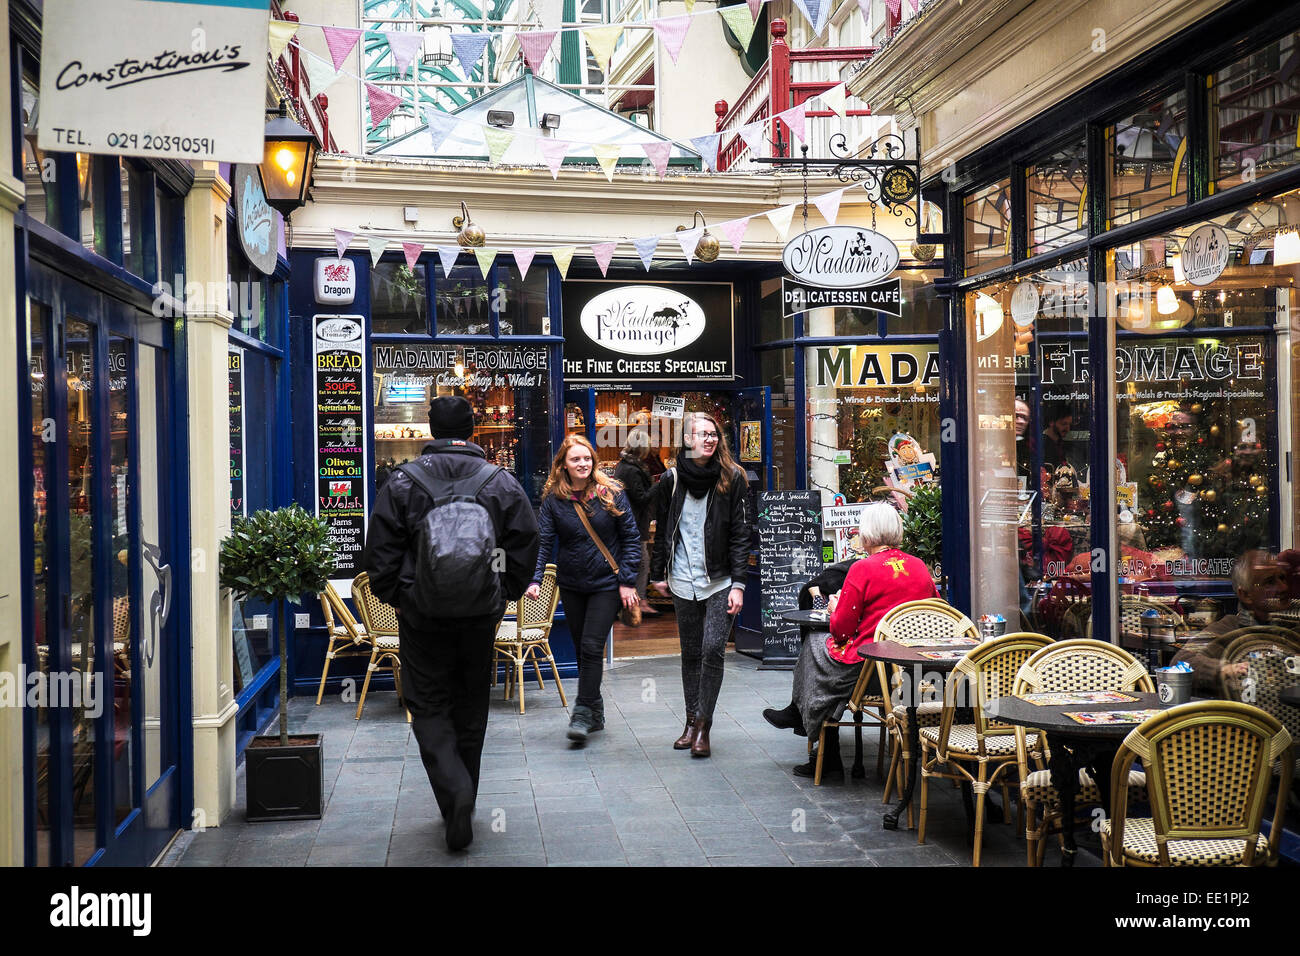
<point x="626" y="799"/>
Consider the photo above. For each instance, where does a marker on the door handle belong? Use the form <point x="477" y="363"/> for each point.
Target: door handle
<point x="153" y="554"/>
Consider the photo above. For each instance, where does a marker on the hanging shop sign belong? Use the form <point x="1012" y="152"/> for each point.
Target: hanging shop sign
<point x="876" y="366"/>
<point x="335" y="281"/>
<point x="238" y="502"/>
<point x="1205" y="254"/>
<point x="840" y="257"/>
<point x="178" y="80"/>
<point x="255" y="218"/>
<point x="340" y="429"/>
<point x="884" y="296"/>
<point x="629" y="333"/>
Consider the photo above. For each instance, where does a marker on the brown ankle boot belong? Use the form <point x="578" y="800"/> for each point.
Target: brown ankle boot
<point x="688" y="735"/>
<point x="700" y="745"/>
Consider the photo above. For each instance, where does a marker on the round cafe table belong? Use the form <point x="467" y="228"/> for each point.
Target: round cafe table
<point x="814" y="620"/>
<point x="1074" y="746"/>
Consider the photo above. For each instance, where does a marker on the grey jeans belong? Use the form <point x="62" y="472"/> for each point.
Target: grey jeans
<point x="643" y="576"/>
<point x="702" y="627"/>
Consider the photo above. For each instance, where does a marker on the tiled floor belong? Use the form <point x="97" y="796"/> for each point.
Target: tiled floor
<point x="625" y="799"/>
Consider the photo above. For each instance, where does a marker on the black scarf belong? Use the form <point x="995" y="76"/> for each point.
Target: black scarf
<point x="698" y="478"/>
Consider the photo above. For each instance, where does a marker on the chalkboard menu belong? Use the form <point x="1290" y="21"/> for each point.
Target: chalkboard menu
<point x="238" y="504"/>
<point x="341" y="471"/>
<point x="789" y="553"/>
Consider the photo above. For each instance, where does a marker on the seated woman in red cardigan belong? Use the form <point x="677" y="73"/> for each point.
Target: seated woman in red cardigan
<point x="828" y="669"/>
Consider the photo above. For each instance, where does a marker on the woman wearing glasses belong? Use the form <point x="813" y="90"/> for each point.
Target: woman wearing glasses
<point x="701" y="557"/>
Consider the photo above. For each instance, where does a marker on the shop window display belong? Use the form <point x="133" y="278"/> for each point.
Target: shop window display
<point x="399" y="298"/>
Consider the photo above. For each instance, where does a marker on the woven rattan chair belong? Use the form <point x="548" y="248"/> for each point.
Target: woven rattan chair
<point x="987" y="672"/>
<point x="859" y="704"/>
<point x="347" y="635"/>
<point x="380" y="620"/>
<point x="1209" y="770"/>
<point x="528" y="638"/>
<point x="1067" y="666"/>
<point x="1254" y="671"/>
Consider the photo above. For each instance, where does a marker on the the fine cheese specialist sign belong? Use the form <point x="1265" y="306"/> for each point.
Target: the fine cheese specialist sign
<point x="157" y="78"/>
<point x="340" y="430"/>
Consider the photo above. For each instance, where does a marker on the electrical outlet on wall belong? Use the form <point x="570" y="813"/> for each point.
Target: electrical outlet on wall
<point x="302" y="620"/>
<point x="261" y="622"/>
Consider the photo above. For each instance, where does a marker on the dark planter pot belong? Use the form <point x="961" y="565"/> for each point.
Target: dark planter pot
<point x="284" y="783"/>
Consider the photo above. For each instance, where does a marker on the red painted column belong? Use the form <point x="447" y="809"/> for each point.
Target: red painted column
<point x="779" y="68"/>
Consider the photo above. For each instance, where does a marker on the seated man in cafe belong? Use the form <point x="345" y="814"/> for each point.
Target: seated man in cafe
<point x="828" y="669"/>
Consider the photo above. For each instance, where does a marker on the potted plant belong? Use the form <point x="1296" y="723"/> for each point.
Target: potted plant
<point x="923" y="527"/>
<point x="278" y="556"/>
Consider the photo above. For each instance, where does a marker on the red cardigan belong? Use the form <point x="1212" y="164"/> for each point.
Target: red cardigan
<point x="875" y="584"/>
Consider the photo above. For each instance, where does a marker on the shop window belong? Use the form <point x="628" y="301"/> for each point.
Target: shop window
<point x="134" y="246"/>
<point x="251" y="296"/>
<point x="461" y="304"/>
<point x="1056" y="190"/>
<point x="1254" y="116"/>
<point x="40" y="178"/>
<point x="776" y="371"/>
<point x="987" y="218"/>
<point x="92" y="197"/>
<point x="773" y="325"/>
<point x="1146" y="160"/>
<point x="399" y="298"/>
<point x="170" y="230"/>
<point x="923" y="312"/>
<point x="521" y="302"/>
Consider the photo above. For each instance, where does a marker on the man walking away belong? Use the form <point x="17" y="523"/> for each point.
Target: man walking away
<point x="449" y="569"/>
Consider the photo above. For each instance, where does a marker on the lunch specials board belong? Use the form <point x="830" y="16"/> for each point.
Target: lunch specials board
<point x="789" y="553"/>
<point x="340" y="430"/>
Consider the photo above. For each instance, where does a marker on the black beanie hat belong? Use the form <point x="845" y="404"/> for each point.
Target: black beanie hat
<point x="451" y="417"/>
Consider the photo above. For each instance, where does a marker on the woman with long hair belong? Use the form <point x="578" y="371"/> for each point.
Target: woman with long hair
<point x="586" y="515"/>
<point x="634" y="475"/>
<point x="701" y="557"/>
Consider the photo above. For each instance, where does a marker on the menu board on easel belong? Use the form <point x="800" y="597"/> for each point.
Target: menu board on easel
<point x="789" y="553"/>
<point x="340" y="429"/>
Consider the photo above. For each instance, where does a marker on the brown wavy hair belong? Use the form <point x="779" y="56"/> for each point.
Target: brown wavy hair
<point x="728" y="470"/>
<point x="557" y="481"/>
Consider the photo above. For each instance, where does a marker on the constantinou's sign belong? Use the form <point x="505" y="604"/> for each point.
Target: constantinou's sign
<point x="840" y="257"/>
<point x="158" y="78"/>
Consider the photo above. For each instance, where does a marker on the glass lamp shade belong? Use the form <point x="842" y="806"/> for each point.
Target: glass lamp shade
<point x="1286" y="249"/>
<point x="288" y="158"/>
<point x="1166" y="300"/>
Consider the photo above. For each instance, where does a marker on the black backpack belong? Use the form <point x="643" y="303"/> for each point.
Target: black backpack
<point x="455" y="546"/>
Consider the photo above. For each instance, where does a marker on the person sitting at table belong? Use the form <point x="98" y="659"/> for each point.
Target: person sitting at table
<point x="829" y="581"/>
<point x="827" y="670"/>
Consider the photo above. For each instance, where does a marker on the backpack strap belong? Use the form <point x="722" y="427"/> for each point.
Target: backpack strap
<point x="440" y="489"/>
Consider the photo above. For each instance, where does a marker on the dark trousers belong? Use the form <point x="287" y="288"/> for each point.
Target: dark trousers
<point x="446" y="679"/>
<point x="590" y="617"/>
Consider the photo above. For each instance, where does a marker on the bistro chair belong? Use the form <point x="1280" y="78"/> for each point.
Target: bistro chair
<point x="1075" y="665"/>
<point x="1209" y="766"/>
<point x="1254" y="671"/>
<point x="347" y="635"/>
<point x="380" y="620"/>
<point x="988" y="672"/>
<point x="859" y="705"/>
<point x="528" y="638"/>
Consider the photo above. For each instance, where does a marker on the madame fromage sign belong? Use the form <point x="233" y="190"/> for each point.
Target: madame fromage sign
<point x="642" y="320"/>
<point x="840" y="257"/>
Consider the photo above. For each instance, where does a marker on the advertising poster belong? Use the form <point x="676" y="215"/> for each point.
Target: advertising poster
<point x="238" y="502"/>
<point x="751" y="441"/>
<point x="340" y="429"/>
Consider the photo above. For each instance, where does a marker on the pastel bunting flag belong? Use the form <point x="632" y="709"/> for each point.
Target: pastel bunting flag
<point x="404" y="47"/>
<point x="740" y="23"/>
<point x="780" y="219"/>
<point x="604" y="252"/>
<point x="735" y="231"/>
<point x="448" y="255"/>
<point x="865" y="7"/>
<point x="645" y="248"/>
<point x="382" y="103"/>
<point x="795" y="118"/>
<point x="376" y="244"/>
<point x="468" y="47"/>
<point x="412" y="252"/>
<point x="280" y="34"/>
<point x="523" y="259"/>
<point x="658" y="154"/>
<point x="341" y="240"/>
<point x="895" y="8"/>
<point x="562" y="257"/>
<point x="690" y="6"/>
<point x="441" y="125"/>
<point x="916" y="6"/>
<point x="340" y="41"/>
<point x="485" y="255"/>
<point x="601" y="42"/>
<point x="553" y="152"/>
<point x="833" y="99"/>
<point x="828" y="204"/>
<point x="756" y="7"/>
<point x="607" y="155"/>
<point x="755" y="137"/>
<point x="813" y="12"/>
<point x="672" y="34"/>
<point x="536" y="44"/>
<point x="498" y="141"/>
<point x="707" y="147"/>
<point x="320" y="75"/>
<point x="688" y="239"/>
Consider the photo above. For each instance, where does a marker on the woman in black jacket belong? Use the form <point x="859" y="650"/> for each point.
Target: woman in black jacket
<point x="593" y="582"/>
<point x="701" y="556"/>
<point x="634" y="475"/>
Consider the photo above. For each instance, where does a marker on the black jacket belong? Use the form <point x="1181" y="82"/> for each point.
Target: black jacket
<point x="726" y="529"/>
<point x="639" y="488"/>
<point x="401" y="505"/>
<point x="830" y="580"/>
<point x="579" y="565"/>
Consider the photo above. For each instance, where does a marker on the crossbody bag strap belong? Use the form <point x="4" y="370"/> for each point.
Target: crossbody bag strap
<point x="582" y="516"/>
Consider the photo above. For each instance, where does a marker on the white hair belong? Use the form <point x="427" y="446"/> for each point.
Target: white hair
<point x="881" y="524"/>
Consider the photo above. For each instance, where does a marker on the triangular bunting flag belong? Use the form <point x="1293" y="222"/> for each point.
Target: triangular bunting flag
<point x="604" y="252"/>
<point x="895" y="7"/>
<point x="441" y="125"/>
<point x="412" y="252"/>
<point x="404" y="47"/>
<point x="523" y="259"/>
<point x="498" y="141"/>
<point x="658" y="154"/>
<point x="281" y="33"/>
<point x="485" y="256"/>
<point x="795" y="118"/>
<point x="320" y="75"/>
<point x="340" y="41"/>
<point x="468" y="47"/>
<point x="755" y="137"/>
<point x="690" y="6"/>
<point x="645" y="248"/>
<point x="535" y="44"/>
<point x="916" y="6"/>
<point x="780" y="219"/>
<point x="833" y="99"/>
<point x="381" y="102"/>
<point x="672" y="33"/>
<point x="688" y="239"/>
<point x="607" y="156"/>
<point x="563" y="256"/>
<point x="553" y="152"/>
<point x="376" y="244"/>
<point x="448" y="255"/>
<point x="812" y="12"/>
<point x="734" y="231"/>
<point x="740" y="23"/>
<point x="601" y="42"/>
<point x="865" y="7"/>
<point x="341" y="239"/>
<point x="828" y="205"/>
<point x="707" y="147"/>
<point x="756" y="7"/>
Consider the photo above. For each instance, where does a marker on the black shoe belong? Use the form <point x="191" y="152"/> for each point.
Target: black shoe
<point x="787" y="718"/>
<point x="597" y="717"/>
<point x="460" y="825"/>
<point x="580" y="724"/>
<point x="829" y="769"/>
